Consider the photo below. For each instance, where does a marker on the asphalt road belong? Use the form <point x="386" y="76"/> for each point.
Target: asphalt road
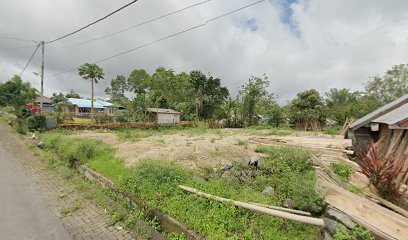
<point x="24" y="214"/>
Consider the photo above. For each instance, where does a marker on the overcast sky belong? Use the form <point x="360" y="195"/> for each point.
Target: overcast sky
<point x="300" y="45"/>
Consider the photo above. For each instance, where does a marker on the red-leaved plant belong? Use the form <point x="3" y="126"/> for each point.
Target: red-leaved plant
<point x="385" y="173"/>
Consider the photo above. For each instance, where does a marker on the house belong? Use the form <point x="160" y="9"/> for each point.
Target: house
<point x="387" y="127"/>
<point x="164" y="116"/>
<point x="47" y="103"/>
<point x="82" y="107"/>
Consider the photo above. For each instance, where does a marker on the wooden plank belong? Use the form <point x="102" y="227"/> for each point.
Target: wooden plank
<point x="382" y="222"/>
<point x="299" y="218"/>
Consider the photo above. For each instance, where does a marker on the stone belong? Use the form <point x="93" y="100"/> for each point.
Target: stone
<point x="332" y="225"/>
<point x="288" y="203"/>
<point x="327" y="236"/>
<point x="227" y="167"/>
<point x="341" y="217"/>
<point x="227" y="174"/>
<point x="40" y="145"/>
<point x="268" y="191"/>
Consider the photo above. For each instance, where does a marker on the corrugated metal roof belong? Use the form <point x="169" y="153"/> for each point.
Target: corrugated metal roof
<point x="162" y="110"/>
<point x="394" y="116"/>
<point x="377" y="113"/>
<point x="86" y="103"/>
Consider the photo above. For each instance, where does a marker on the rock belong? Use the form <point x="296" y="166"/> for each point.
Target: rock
<point x="227" y="167"/>
<point x="40" y="145"/>
<point x="341" y="217"/>
<point x="288" y="203"/>
<point x="327" y="236"/>
<point x="268" y="191"/>
<point x="247" y="160"/>
<point x="227" y="174"/>
<point x="332" y="225"/>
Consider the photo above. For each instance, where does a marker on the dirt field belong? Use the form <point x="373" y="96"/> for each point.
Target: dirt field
<point x="206" y="149"/>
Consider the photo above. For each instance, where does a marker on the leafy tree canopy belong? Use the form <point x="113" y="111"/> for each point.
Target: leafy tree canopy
<point x="251" y="94"/>
<point x="389" y="86"/>
<point x="16" y="93"/>
<point x="307" y="111"/>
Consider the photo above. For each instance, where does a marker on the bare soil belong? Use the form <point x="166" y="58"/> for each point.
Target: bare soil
<point x="199" y="150"/>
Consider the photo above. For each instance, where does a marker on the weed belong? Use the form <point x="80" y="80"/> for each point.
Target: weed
<point x="332" y="130"/>
<point x="161" y="141"/>
<point x="213" y="140"/>
<point x="357" y="233"/>
<point x="352" y="188"/>
<point x="117" y="216"/>
<point x="71" y="208"/>
<point x="242" y="143"/>
<point x="342" y="170"/>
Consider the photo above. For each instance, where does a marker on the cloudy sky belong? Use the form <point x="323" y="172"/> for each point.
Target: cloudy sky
<point x="299" y="45"/>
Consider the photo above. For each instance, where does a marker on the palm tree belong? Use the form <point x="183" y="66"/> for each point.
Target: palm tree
<point x="94" y="73"/>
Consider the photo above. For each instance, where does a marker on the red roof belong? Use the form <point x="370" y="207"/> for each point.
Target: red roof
<point x="45" y="100"/>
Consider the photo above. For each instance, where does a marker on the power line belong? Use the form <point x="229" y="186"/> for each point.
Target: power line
<point x="30" y="59"/>
<point x="16" y="48"/>
<point x="18" y="39"/>
<point x="92" y="23"/>
<point x="137" y="25"/>
<point x="168" y="36"/>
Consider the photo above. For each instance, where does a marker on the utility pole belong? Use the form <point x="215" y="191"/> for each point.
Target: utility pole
<point x="42" y="76"/>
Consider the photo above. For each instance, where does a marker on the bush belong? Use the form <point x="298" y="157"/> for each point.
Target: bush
<point x="358" y="233"/>
<point x="387" y="174"/>
<point x="35" y="123"/>
<point x="234" y="123"/>
<point x="342" y="170"/>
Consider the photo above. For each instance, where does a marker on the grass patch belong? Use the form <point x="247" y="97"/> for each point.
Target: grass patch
<point x="71" y="208"/>
<point x="342" y="170"/>
<point x="332" y="130"/>
<point x="242" y="143"/>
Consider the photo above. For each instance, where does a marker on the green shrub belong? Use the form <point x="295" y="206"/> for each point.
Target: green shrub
<point x="342" y="170"/>
<point x="358" y="233"/>
<point x="35" y="123"/>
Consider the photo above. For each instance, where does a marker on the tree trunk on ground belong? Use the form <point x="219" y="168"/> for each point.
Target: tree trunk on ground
<point x="92" y="101"/>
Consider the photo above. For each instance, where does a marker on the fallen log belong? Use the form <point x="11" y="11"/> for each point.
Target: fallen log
<point x="299" y="218"/>
<point x="283" y="209"/>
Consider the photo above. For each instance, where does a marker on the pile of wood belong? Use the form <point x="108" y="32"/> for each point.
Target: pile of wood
<point x="394" y="141"/>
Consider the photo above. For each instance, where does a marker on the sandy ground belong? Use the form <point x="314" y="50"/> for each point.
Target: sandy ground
<point x="207" y="149"/>
<point x="189" y="151"/>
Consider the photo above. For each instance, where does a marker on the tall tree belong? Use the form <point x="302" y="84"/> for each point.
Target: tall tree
<point x="94" y="73"/>
<point x="72" y="94"/>
<point x="389" y="86"/>
<point x="16" y="93"/>
<point x="58" y="98"/>
<point x="117" y="89"/>
<point x="307" y="111"/>
<point x="207" y="94"/>
<point x="251" y="94"/>
<point x="343" y="103"/>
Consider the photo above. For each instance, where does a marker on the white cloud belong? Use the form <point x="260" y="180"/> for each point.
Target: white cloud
<point x="339" y="43"/>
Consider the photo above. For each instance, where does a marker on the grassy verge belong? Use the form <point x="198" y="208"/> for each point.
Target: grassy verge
<point x="287" y="170"/>
<point x="134" y="220"/>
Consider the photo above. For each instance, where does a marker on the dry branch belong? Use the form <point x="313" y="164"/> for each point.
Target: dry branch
<point x="272" y="212"/>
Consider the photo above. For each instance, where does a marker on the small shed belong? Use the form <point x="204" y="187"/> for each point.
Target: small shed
<point x="386" y="126"/>
<point x="164" y="116"/>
